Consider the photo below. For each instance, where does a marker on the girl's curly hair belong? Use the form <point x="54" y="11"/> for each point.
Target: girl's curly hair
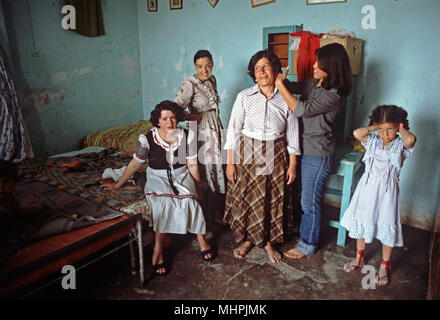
<point x="166" y="105"/>
<point x="389" y="113"/>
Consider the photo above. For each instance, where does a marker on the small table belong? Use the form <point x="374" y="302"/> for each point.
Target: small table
<point x="339" y="186"/>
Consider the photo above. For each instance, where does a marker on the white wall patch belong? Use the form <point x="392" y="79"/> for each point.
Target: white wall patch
<point x="81" y="71"/>
<point x="129" y="65"/>
<point x="220" y="62"/>
<point x="59" y="77"/>
<point x="224" y="95"/>
<point x="178" y="65"/>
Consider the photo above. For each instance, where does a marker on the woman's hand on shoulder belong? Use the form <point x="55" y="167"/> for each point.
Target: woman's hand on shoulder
<point x="281" y="77"/>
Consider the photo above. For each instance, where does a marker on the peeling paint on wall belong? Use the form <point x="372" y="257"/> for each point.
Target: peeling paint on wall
<point x="130" y="64"/>
<point x="224" y="95"/>
<point x="81" y="71"/>
<point x="220" y="62"/>
<point x="178" y="65"/>
<point x="59" y="77"/>
<point x="164" y="83"/>
<point x="127" y="93"/>
<point x="45" y="97"/>
<point x="419" y="220"/>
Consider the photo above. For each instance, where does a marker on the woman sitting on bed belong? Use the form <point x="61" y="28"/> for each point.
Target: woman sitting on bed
<point x="172" y="181"/>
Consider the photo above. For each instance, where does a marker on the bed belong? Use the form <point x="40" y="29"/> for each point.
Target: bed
<point x="64" y="217"/>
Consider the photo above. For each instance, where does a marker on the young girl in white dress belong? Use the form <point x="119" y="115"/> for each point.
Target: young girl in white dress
<point x="374" y="208"/>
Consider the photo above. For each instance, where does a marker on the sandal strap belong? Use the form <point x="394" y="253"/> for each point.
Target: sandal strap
<point x="159" y="266"/>
<point x="208" y="251"/>
<point x="387" y="264"/>
<point x="361" y="256"/>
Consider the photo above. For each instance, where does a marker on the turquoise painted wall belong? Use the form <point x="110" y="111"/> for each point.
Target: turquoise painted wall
<point x="401" y="65"/>
<point x="71" y="85"/>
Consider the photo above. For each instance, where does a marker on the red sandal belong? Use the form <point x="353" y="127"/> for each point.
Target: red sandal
<point x="385" y="278"/>
<point x="353" y="265"/>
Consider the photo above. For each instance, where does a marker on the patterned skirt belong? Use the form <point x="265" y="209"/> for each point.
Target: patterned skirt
<point x="259" y="205"/>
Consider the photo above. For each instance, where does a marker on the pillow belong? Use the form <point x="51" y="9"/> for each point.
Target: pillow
<point x="123" y="138"/>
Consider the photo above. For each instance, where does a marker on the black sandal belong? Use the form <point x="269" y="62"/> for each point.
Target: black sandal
<point x="206" y="252"/>
<point x="156" y="267"/>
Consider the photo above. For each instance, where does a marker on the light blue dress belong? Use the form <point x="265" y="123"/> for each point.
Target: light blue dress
<point x="374" y="208"/>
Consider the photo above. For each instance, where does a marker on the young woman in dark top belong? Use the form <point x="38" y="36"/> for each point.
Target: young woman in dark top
<point x="321" y="99"/>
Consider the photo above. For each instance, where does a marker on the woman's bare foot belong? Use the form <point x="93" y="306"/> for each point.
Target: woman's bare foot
<point x="243" y="249"/>
<point x="273" y="254"/>
<point x="294" y="254"/>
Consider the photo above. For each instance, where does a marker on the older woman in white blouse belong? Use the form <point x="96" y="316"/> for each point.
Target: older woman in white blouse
<point x="262" y="143"/>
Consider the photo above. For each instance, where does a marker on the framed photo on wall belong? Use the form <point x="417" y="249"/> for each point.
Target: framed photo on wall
<point x="324" y="1"/>
<point x="213" y="2"/>
<point x="152" y="5"/>
<point x="175" y="4"/>
<point x="256" y="3"/>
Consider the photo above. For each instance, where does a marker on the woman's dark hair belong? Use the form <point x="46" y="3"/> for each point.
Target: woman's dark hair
<point x="201" y="54"/>
<point x="391" y="114"/>
<point x="269" y="55"/>
<point x="166" y="105"/>
<point x="333" y="59"/>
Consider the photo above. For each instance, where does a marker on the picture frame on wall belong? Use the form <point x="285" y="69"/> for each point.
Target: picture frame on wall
<point x="152" y="5"/>
<point x="213" y="2"/>
<point x="257" y="3"/>
<point x="175" y="4"/>
<point x="324" y="1"/>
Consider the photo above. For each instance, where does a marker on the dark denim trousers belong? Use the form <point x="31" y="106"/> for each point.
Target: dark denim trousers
<point x="314" y="173"/>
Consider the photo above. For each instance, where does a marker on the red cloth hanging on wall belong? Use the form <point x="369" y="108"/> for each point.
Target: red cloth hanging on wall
<point x="306" y="53"/>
